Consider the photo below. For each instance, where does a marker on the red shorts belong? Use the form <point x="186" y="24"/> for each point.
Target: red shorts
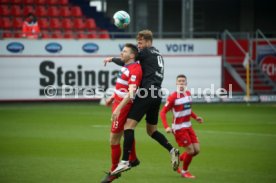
<point x="185" y="137"/>
<point x="118" y="126"/>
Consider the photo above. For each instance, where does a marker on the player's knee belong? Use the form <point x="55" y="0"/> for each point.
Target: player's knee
<point x="196" y="152"/>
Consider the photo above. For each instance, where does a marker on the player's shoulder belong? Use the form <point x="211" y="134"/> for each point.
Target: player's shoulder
<point x="173" y="96"/>
<point x="188" y="93"/>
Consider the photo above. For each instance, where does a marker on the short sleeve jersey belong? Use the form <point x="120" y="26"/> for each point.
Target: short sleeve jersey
<point x="129" y="74"/>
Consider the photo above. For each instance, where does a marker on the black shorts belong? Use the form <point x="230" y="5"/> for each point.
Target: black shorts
<point x="145" y="105"/>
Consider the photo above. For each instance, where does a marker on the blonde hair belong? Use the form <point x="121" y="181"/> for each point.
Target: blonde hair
<point x="145" y="34"/>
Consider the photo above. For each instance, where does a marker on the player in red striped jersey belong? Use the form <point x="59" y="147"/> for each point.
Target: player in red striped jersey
<point x="180" y="104"/>
<point x="127" y="82"/>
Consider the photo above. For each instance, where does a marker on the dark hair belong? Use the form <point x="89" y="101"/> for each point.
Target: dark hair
<point x="181" y="76"/>
<point x="133" y="48"/>
<point x="146" y="34"/>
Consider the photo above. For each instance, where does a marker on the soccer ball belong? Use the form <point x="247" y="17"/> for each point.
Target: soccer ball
<point x="121" y="19"/>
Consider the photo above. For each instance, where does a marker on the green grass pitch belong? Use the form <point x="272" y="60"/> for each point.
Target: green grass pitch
<point x="69" y="143"/>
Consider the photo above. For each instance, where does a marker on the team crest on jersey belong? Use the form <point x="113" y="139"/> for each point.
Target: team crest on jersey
<point x="133" y="78"/>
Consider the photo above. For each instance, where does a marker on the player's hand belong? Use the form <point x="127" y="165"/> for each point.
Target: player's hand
<point x="107" y="60"/>
<point x="199" y="119"/>
<point x="168" y="130"/>
<point x="115" y="115"/>
<point x="109" y="101"/>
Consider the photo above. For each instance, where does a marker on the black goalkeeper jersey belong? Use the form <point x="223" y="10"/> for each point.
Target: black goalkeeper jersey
<point x="152" y="64"/>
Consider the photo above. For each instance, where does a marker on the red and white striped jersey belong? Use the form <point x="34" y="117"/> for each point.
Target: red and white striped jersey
<point x="129" y="74"/>
<point x="180" y="104"/>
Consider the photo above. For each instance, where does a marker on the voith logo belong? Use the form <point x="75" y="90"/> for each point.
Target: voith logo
<point x="268" y="65"/>
<point x="90" y="48"/>
<point x="53" y="47"/>
<point x="15" y="47"/>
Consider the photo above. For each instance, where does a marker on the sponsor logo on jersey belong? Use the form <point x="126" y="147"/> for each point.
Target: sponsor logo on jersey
<point x="133" y="78"/>
<point x="15" y="47"/>
<point x="53" y="47"/>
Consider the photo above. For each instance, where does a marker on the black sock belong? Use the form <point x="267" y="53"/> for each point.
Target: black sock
<point x="159" y="137"/>
<point x="128" y="141"/>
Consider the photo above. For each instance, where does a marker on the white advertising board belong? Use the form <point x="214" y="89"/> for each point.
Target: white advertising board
<point x="102" y="47"/>
<point x="73" y="69"/>
<point x="29" y="78"/>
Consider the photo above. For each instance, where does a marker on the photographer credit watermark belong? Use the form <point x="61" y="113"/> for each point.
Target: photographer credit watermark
<point x="67" y="91"/>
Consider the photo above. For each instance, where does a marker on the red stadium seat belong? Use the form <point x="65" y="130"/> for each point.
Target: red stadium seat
<point x="90" y="24"/>
<point x="15" y="1"/>
<point x="67" y="23"/>
<point x="76" y="11"/>
<point x="6" y="23"/>
<point x="7" y="35"/>
<point x="53" y="2"/>
<point x="16" y="11"/>
<point x="63" y="2"/>
<point x="41" y="2"/>
<point x="104" y="34"/>
<point x="17" y="23"/>
<point x="4" y="10"/>
<point x="55" y="23"/>
<point x="92" y="35"/>
<point x="64" y="11"/>
<point x="81" y="35"/>
<point x="53" y="11"/>
<point x="4" y="1"/>
<point x="29" y="2"/>
<point x="28" y="9"/>
<point x="46" y="34"/>
<point x="69" y="34"/>
<point x="41" y="11"/>
<point x="56" y="34"/>
<point x="78" y="23"/>
<point x="43" y="23"/>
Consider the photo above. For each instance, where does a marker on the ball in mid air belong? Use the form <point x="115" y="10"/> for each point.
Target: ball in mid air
<point x="121" y="19"/>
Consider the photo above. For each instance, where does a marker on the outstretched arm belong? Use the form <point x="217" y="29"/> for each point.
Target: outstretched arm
<point x="117" y="61"/>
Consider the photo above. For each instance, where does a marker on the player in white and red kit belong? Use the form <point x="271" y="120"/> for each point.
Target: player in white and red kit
<point x="127" y="82"/>
<point x="180" y="103"/>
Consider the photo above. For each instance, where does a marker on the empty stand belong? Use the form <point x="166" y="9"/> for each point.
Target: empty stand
<point x="56" y="19"/>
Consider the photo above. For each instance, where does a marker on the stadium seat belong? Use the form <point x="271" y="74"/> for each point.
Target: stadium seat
<point x="66" y="23"/>
<point x="28" y="9"/>
<point x="17" y="34"/>
<point x="6" y="23"/>
<point x="16" y="10"/>
<point x="4" y="1"/>
<point x="45" y="34"/>
<point x="4" y="10"/>
<point x="57" y="34"/>
<point x="69" y="34"/>
<point x="55" y="23"/>
<point x="104" y="34"/>
<point x="90" y="24"/>
<point x="17" y="23"/>
<point x="64" y="11"/>
<point x="15" y="1"/>
<point x="29" y="2"/>
<point x="53" y="11"/>
<point x="43" y="23"/>
<point x="41" y="2"/>
<point x="41" y="11"/>
<point x="7" y="35"/>
<point x="76" y="11"/>
<point x="63" y="2"/>
<point x="53" y="2"/>
<point x="92" y="35"/>
<point x="81" y="35"/>
<point x="78" y="23"/>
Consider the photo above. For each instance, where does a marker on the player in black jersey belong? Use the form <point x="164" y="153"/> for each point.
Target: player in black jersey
<point x="147" y="101"/>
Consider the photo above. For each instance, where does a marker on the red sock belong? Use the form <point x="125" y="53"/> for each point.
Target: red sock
<point x="182" y="156"/>
<point x="115" y="156"/>
<point x="132" y="155"/>
<point x="187" y="160"/>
